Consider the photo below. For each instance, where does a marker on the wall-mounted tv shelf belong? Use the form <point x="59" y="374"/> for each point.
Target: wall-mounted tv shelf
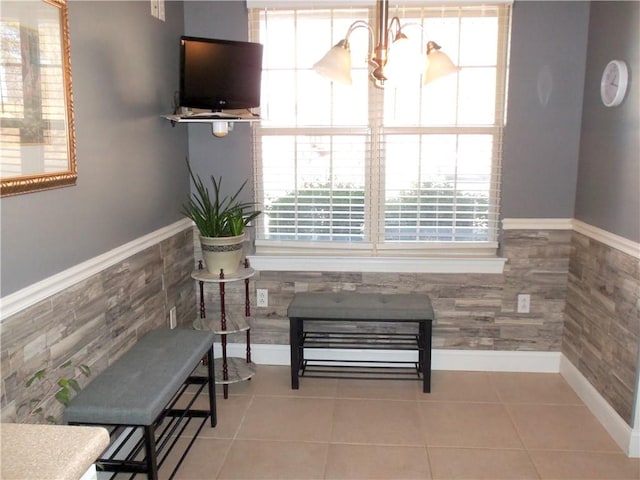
<point x="221" y="123"/>
<point x="197" y="118"/>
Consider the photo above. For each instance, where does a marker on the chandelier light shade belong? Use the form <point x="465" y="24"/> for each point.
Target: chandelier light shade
<point x="336" y="64"/>
<point x="389" y="54"/>
<point x="438" y="64"/>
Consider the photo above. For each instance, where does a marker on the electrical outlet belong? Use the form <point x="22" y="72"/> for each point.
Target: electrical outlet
<point x="173" y="321"/>
<point x="154" y="8"/>
<point x="262" y="299"/>
<point x="161" y="9"/>
<point x="524" y="303"/>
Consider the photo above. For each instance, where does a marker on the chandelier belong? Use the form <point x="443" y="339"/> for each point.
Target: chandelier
<point x="391" y="45"/>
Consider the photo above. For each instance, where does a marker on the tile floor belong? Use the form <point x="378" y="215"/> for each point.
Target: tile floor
<point x="475" y="425"/>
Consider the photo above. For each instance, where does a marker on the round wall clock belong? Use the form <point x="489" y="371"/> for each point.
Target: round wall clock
<point x="613" y="85"/>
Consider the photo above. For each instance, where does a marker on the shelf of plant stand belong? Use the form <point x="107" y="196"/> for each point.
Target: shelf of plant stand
<point x="239" y="370"/>
<point x="240" y="274"/>
<point x="234" y="324"/>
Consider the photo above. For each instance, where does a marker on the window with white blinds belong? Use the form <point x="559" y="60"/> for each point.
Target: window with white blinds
<point x="373" y="171"/>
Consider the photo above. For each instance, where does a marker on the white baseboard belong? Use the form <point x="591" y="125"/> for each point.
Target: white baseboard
<point x="627" y="438"/>
<point x="496" y="361"/>
<point x="471" y="360"/>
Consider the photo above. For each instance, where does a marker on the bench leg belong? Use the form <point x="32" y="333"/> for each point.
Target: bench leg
<point x="425" y="354"/>
<point x="150" y="450"/>
<point x="211" y="380"/>
<point x="295" y="334"/>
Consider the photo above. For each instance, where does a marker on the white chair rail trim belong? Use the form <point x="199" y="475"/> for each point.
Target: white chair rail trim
<point x="610" y="239"/>
<point x="15" y="302"/>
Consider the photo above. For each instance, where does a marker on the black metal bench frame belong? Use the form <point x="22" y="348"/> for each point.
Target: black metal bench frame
<point x="133" y="453"/>
<point x="159" y="438"/>
<point x="301" y="339"/>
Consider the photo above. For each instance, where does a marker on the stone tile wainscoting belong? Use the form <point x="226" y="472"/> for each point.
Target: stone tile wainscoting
<point x="473" y="311"/>
<point x="602" y="322"/>
<point x="95" y="320"/>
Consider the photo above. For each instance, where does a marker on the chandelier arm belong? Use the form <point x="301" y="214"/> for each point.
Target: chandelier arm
<point x="359" y="24"/>
<point x="392" y="33"/>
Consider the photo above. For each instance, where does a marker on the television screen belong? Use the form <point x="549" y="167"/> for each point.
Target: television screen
<point x="219" y="74"/>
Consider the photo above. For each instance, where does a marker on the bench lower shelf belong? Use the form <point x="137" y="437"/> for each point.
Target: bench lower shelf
<point x="361" y="369"/>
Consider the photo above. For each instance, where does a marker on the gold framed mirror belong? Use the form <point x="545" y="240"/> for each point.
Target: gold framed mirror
<point x="37" y="134"/>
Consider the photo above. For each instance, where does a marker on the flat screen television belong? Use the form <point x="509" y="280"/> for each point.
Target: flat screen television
<point x="219" y="74"/>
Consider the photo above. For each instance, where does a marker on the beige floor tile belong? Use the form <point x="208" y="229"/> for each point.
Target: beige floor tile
<point x="204" y="460"/>
<point x="248" y="459"/>
<point x="548" y="388"/>
<point x="379" y="389"/>
<point x="288" y="418"/>
<point x="560" y="427"/>
<point x="375" y="462"/>
<point x="474" y="425"/>
<point x="468" y="425"/>
<point x="273" y="377"/>
<point x="276" y="380"/>
<point x="386" y="422"/>
<point x="585" y="465"/>
<point x="478" y="463"/>
<point x="230" y="413"/>
<point x="315" y="387"/>
<point x="460" y="386"/>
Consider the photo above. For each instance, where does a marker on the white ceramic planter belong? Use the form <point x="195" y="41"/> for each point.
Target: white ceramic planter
<point x="222" y="253"/>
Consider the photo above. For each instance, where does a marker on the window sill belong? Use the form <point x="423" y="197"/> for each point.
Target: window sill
<point x="273" y="263"/>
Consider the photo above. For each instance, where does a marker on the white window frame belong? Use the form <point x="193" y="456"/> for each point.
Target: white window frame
<point x="447" y="257"/>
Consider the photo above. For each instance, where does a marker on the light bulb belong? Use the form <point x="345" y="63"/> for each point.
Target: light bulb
<point x="220" y="129"/>
<point x="404" y="60"/>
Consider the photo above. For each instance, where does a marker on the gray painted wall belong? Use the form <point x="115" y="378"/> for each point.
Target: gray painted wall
<point x="542" y="136"/>
<point x="608" y="193"/>
<point x="231" y="156"/>
<point x="131" y="174"/>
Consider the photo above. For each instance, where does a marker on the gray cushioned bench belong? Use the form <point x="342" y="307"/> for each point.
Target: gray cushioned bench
<point x="141" y="391"/>
<point x="347" y="307"/>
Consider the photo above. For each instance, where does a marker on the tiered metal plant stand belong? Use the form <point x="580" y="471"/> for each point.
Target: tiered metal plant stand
<point x="230" y="369"/>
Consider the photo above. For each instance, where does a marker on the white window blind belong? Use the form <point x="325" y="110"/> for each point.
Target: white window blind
<point x="372" y="171"/>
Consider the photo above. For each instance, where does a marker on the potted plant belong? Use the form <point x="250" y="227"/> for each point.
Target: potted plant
<point x="220" y="221"/>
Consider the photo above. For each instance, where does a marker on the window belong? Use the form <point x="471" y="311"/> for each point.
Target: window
<point x="404" y="170"/>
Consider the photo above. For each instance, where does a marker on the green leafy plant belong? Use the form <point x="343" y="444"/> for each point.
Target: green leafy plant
<point x="62" y="389"/>
<point x="215" y="215"/>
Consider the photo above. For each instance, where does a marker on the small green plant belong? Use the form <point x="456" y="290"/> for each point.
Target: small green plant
<point x="214" y="215"/>
<point x="61" y="389"/>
